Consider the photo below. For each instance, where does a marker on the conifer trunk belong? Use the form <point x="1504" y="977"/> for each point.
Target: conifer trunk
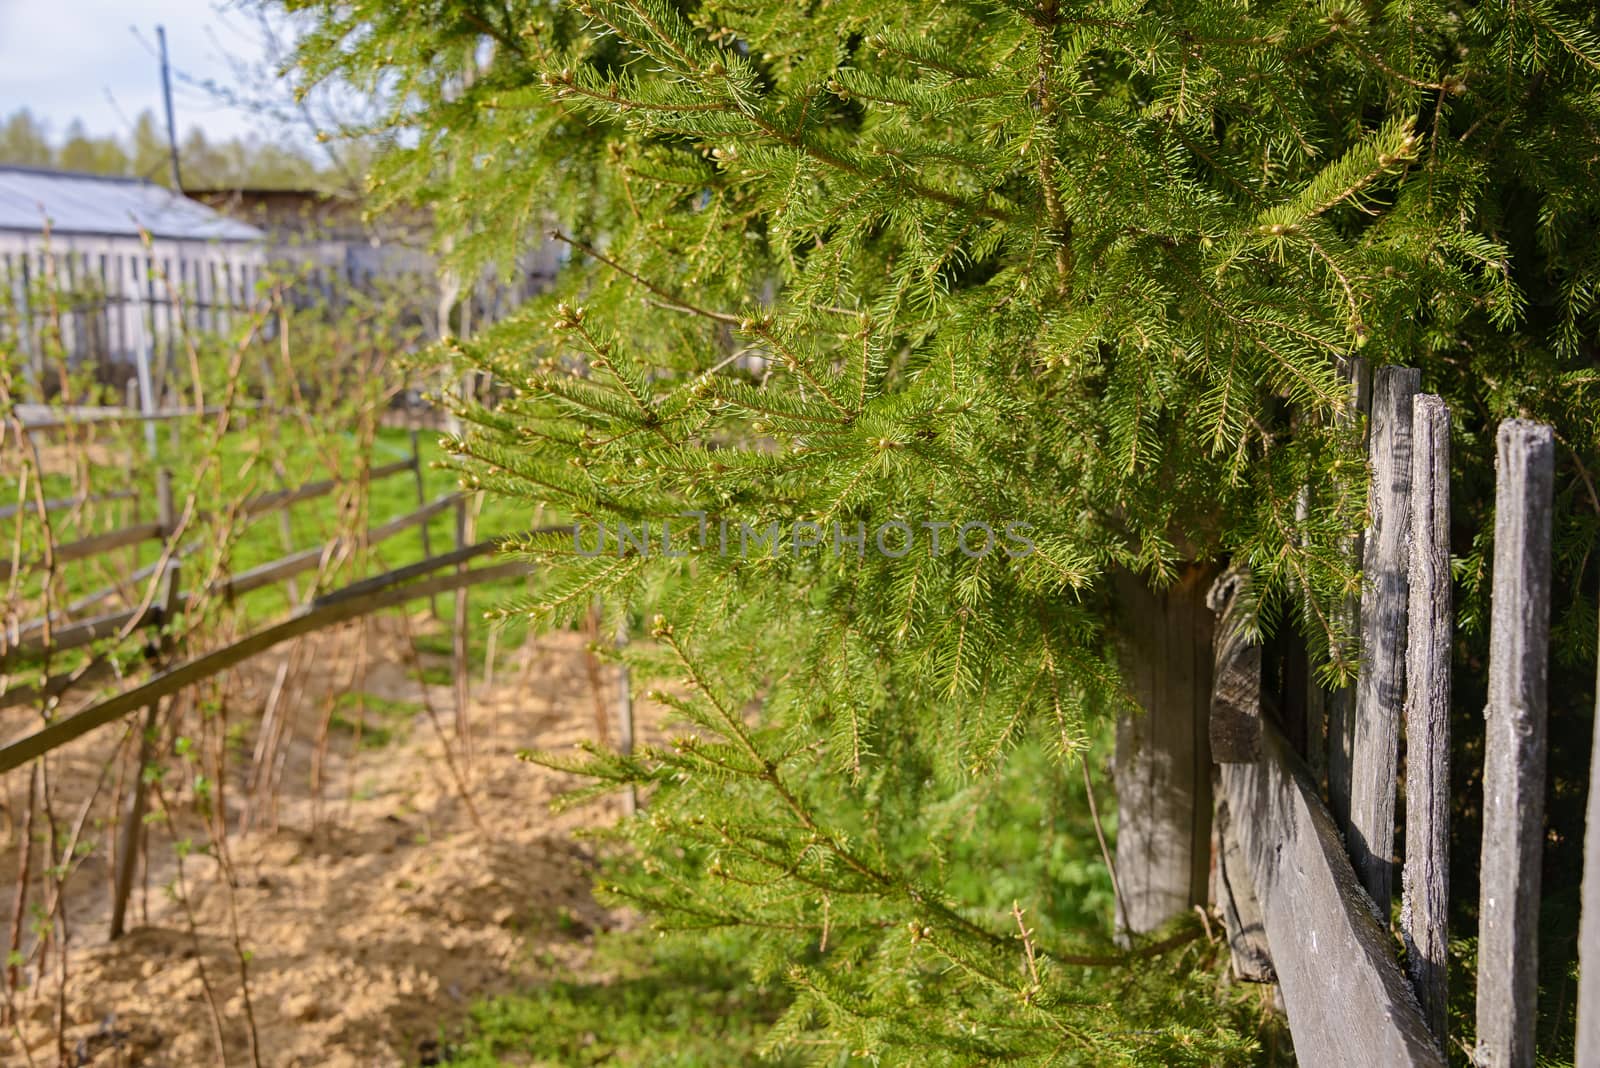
<point x="1163" y="762"/>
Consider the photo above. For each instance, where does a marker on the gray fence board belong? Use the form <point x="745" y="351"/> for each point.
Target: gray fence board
<point x="1380" y="686"/>
<point x="1339" y="705"/>
<point x="1426" y="879"/>
<point x="1346" y="1000"/>
<point x="1514" y="748"/>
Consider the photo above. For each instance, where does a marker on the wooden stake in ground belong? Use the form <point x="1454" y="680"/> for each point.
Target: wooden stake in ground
<point x="285" y="527"/>
<point x="591" y="664"/>
<point x="133" y="822"/>
<point x="1426" y="880"/>
<point x="131" y="835"/>
<point x="463" y="682"/>
<point x="1514" y="748"/>
<point x="19" y="907"/>
<point x="422" y="500"/>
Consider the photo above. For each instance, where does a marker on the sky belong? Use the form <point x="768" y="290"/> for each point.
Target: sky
<point x="96" y="60"/>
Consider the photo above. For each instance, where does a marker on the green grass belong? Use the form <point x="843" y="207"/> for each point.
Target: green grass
<point x="688" y="1000"/>
<point x="1039" y="847"/>
<point x="662" y="1002"/>
<point x="382" y="722"/>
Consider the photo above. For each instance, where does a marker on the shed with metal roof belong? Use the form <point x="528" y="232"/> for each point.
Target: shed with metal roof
<point x="71" y="205"/>
<point x="113" y="270"/>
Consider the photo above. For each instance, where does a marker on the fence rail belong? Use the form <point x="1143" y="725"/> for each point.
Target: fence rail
<point x="41" y="417"/>
<point x="98" y="544"/>
<point x="32" y="639"/>
<point x="65" y="504"/>
<point x="1346" y="1000"/>
<point x="389" y="590"/>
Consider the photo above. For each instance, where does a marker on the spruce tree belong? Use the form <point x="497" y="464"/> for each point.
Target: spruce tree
<point x="1094" y="269"/>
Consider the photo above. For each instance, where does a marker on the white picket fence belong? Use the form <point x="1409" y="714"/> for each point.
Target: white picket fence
<point x="119" y="307"/>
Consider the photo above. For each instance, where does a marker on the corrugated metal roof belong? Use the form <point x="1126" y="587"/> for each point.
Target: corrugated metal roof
<point x="89" y="204"/>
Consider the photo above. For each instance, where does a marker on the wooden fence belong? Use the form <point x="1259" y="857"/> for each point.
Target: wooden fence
<point x="125" y="309"/>
<point x="29" y="649"/>
<point x="121" y="308"/>
<point x="1225" y="771"/>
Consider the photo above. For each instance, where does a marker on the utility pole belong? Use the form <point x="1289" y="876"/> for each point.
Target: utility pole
<point x="172" y="126"/>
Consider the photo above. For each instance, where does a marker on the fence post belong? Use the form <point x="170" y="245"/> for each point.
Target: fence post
<point x="166" y="511"/>
<point x="1514" y="747"/>
<point x="459" y="644"/>
<point x="285" y="525"/>
<point x="1339" y="705"/>
<point x="1381" y="682"/>
<point x="133" y="823"/>
<point x="144" y="351"/>
<point x="1425" y="883"/>
<point x="1163" y="758"/>
<point x="422" y="499"/>
<point x="591" y="663"/>
<point x="1589" y="924"/>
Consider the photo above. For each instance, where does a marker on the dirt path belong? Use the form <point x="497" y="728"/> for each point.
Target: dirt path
<point x="369" y="921"/>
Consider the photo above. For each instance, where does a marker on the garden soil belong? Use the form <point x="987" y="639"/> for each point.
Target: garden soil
<point x="367" y="922"/>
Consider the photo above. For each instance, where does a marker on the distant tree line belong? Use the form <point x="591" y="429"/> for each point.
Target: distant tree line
<point x="237" y="162"/>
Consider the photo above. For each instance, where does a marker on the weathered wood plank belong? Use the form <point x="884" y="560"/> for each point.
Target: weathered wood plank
<point x="93" y="545"/>
<point x="1163" y="759"/>
<point x="1381" y="683"/>
<point x="269" y="502"/>
<point x="1346" y="1000"/>
<point x="64" y="504"/>
<point x="1235" y="721"/>
<point x="1589" y="924"/>
<point x="1425" y="896"/>
<point x="97" y="544"/>
<point x="72" y="635"/>
<point x="1340" y="705"/>
<point x="1249" y="955"/>
<point x="1514" y="747"/>
<point x="275" y="501"/>
<point x="90" y="674"/>
<point x="307" y="559"/>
